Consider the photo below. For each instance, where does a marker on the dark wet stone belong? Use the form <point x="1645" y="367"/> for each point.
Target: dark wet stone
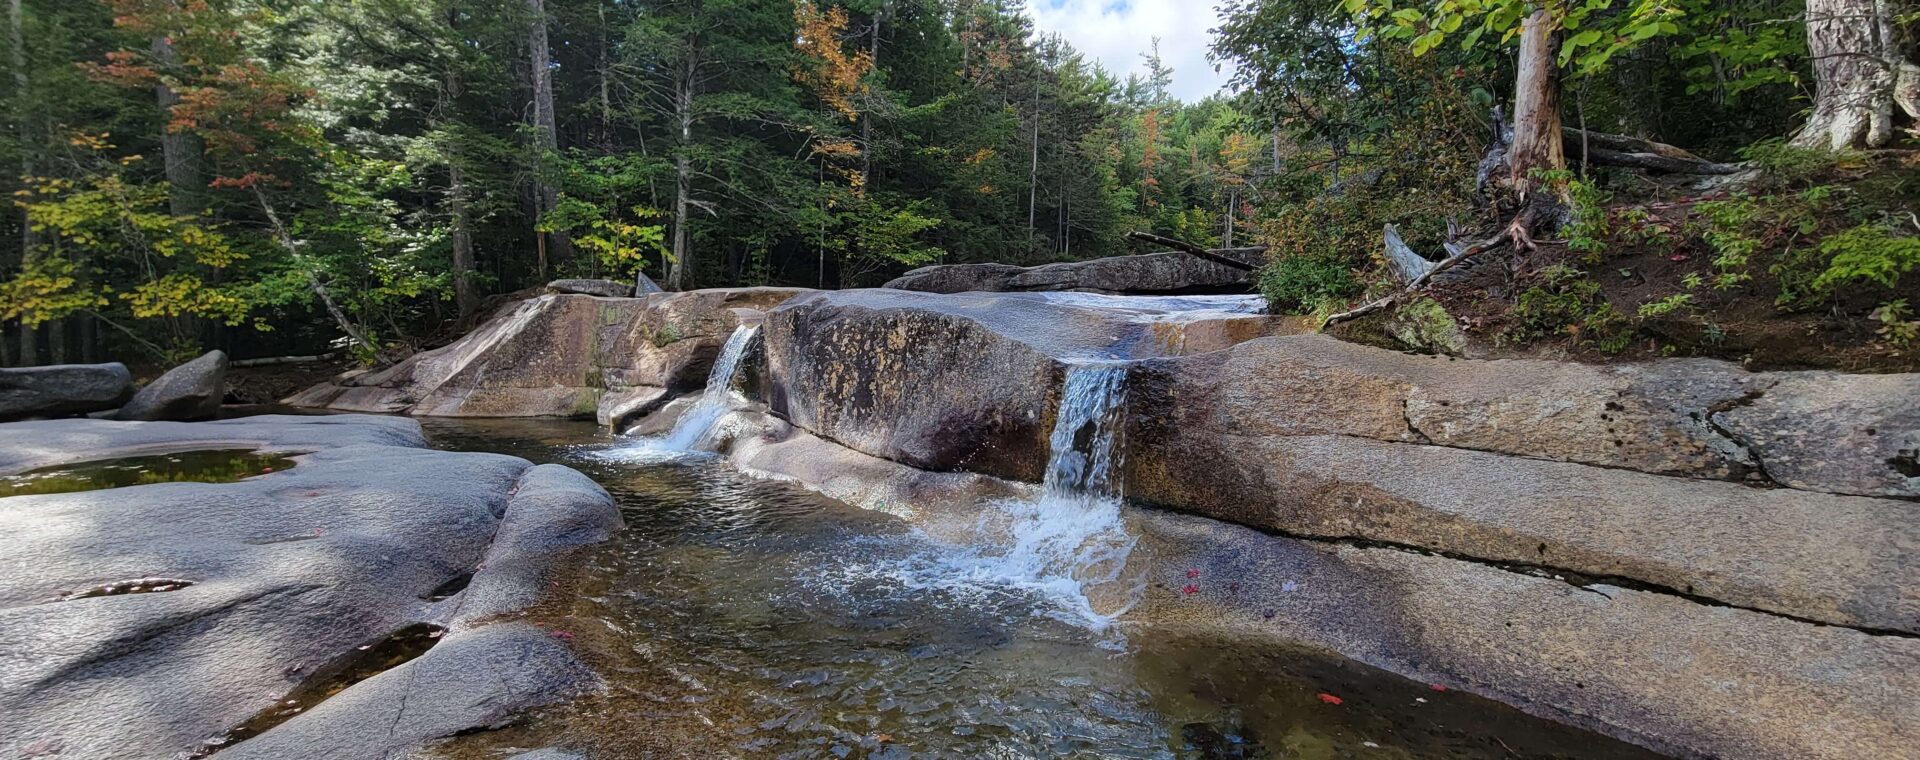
<point x="191" y="391"/>
<point x="62" y="390"/>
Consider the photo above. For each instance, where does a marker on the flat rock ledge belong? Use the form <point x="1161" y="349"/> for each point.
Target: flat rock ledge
<point x="556" y="355"/>
<point x="1780" y="492"/>
<point x="270" y="579"/>
<point x="1692" y="679"/>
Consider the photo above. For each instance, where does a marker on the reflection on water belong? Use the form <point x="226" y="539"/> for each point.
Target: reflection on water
<point x="754" y="619"/>
<point x="215" y="466"/>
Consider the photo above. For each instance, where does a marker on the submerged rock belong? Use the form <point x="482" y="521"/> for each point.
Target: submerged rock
<point x="555" y="356"/>
<point x="272" y="579"/>
<point x="62" y="390"/>
<point x="191" y="391"/>
<point x="1148" y="274"/>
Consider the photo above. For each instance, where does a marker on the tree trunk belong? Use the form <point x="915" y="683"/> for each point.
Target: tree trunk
<point x="1537" y="142"/>
<point x="679" y="277"/>
<point x="1033" y="169"/>
<point x="866" y="114"/>
<point x="1861" y="74"/>
<point x="1226" y="234"/>
<point x="546" y="133"/>
<point x="314" y="281"/>
<point x="179" y="150"/>
<point x="22" y="95"/>
<point x="465" y="296"/>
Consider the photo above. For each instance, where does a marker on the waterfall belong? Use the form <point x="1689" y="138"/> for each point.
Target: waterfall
<point x="1069" y="545"/>
<point x="696" y="428"/>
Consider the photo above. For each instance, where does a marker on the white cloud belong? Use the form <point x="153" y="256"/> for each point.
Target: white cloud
<point x="1118" y="32"/>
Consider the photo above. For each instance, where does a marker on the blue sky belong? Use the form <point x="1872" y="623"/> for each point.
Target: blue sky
<point x="1117" y="32"/>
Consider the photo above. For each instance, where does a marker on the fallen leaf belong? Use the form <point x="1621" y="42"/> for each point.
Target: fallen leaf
<point x="1329" y="698"/>
<point x="1190" y="589"/>
<point x="1193" y="572"/>
<point x="1436" y="687"/>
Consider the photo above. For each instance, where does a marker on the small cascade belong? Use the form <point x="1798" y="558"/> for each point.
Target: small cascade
<point x="696" y="429"/>
<point x="1070" y="544"/>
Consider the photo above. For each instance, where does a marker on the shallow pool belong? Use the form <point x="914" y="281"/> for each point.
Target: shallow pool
<point x="754" y="619"/>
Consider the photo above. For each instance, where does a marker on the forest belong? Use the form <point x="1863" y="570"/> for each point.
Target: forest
<point x="277" y="177"/>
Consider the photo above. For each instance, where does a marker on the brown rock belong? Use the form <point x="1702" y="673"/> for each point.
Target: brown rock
<point x="555" y="355"/>
<point x="968" y="381"/>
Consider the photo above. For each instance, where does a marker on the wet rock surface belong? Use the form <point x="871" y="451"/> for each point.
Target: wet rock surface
<point x="1147" y="274"/>
<point x="1658" y="669"/>
<point x="272" y="578"/>
<point x="968" y="381"/>
<point x="62" y="390"/>
<point x="191" y="391"/>
<point x="554" y="356"/>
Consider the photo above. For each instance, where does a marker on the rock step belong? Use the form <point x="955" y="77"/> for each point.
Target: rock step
<point x="1689" y="679"/>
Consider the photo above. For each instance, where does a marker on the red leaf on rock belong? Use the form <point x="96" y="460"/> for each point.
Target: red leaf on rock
<point x="1190" y="589"/>
<point x="1437" y="687"/>
<point x="1193" y="572"/>
<point x="1329" y="698"/>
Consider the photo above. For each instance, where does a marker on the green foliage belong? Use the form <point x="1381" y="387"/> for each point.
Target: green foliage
<point x="1299" y="284"/>
<point x="1567" y="304"/>
<point x="1897" y="325"/>
<point x="1868" y="253"/>
<point x="1595" y="31"/>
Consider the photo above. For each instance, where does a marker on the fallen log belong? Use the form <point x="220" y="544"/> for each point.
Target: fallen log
<point x="1602" y="149"/>
<point x="276" y="360"/>
<point x="1186" y="247"/>
<point x="1421" y="282"/>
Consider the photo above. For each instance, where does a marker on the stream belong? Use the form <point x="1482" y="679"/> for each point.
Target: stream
<point x="736" y="617"/>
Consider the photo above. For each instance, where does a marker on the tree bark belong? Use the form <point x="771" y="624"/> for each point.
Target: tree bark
<point x="466" y="296"/>
<point x="679" y="277"/>
<point x="1537" y="142"/>
<point x="1186" y="247"/>
<point x="1861" y="75"/>
<point x="314" y="282"/>
<point x="546" y="132"/>
<point x="179" y="150"/>
<point x="22" y="94"/>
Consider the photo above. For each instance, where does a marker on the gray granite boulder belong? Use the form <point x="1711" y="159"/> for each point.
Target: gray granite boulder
<point x="62" y="390"/>
<point x="1147" y="274"/>
<point x="254" y="586"/>
<point x="601" y="288"/>
<point x="191" y="391"/>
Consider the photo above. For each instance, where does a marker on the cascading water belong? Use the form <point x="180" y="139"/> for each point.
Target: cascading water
<point x="696" y="429"/>
<point x="1070" y="544"/>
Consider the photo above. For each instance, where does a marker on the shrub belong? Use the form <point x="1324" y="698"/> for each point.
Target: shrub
<point x="1299" y="284"/>
<point x="1569" y="304"/>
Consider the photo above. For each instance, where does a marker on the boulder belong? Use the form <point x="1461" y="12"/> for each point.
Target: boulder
<point x="1153" y="273"/>
<point x="1693" y="418"/>
<point x="253" y="586"/>
<point x="969" y="381"/>
<point x="601" y="288"/>
<point x="191" y="391"/>
<point x="555" y="356"/>
<point x="62" y="390"/>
